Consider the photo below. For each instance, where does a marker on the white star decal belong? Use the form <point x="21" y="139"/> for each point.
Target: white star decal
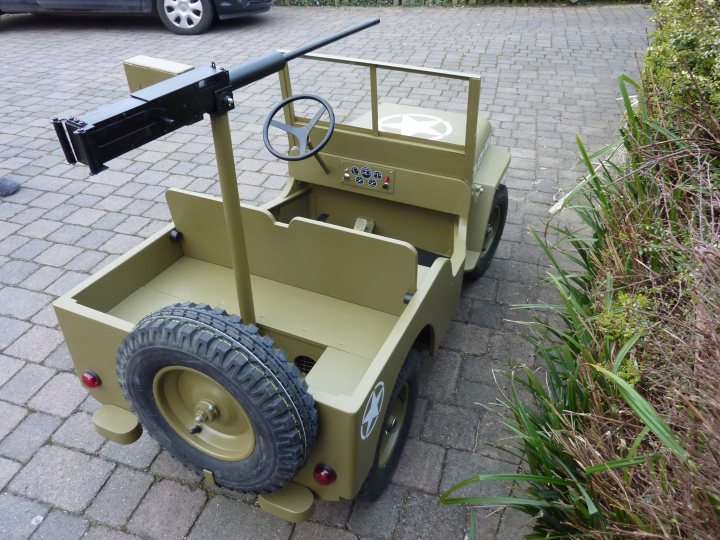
<point x="372" y="410"/>
<point x="416" y="125"/>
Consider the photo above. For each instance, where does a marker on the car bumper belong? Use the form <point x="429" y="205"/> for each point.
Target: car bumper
<point x="229" y="9"/>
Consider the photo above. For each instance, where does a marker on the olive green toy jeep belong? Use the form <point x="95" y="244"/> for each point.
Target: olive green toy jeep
<point x="274" y="349"/>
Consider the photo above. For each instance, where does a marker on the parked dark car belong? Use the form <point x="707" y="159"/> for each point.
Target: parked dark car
<point x="180" y="16"/>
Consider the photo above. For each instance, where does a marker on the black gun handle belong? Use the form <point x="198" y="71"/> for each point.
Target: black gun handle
<point x="64" y="141"/>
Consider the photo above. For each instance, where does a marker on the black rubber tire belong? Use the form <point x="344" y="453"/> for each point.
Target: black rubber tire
<point x="500" y="202"/>
<point x="173" y="23"/>
<point x="379" y="477"/>
<point x="245" y="364"/>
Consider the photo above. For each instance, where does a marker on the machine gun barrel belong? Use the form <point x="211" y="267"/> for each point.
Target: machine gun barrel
<point x="255" y="70"/>
<point x="111" y="131"/>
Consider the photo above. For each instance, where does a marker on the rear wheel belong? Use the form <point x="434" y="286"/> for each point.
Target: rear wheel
<point x="186" y="17"/>
<point x="218" y="396"/>
<point x="395" y="429"/>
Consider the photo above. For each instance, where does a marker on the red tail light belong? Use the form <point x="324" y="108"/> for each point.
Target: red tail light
<point x="90" y="379"/>
<point x="324" y="474"/>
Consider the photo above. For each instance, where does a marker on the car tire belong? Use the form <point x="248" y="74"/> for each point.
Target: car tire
<point x="391" y="442"/>
<point x="216" y="395"/>
<point x="186" y="17"/>
<point x="496" y="225"/>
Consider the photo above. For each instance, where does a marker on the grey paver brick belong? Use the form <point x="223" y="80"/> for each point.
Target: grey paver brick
<point x="10" y="416"/>
<point x="58" y="255"/>
<point x="10" y="330"/>
<point x="120" y="243"/>
<point x="487" y="315"/>
<point x="168" y="467"/>
<point x="423" y="517"/>
<point x="8" y="468"/>
<point x="62" y="477"/>
<point x="418" y="419"/>
<point x="45" y="317"/>
<point x="79" y="432"/>
<point x="35" y="344"/>
<point x="59" y="525"/>
<point x="12" y="243"/>
<point x="120" y="496"/>
<point x="8" y="368"/>
<point x="378" y="519"/>
<point x="20" y="303"/>
<point x="20" y="517"/>
<point x="316" y="531"/>
<point x="60" y="359"/>
<point x="40" y="228"/>
<point x="332" y="513"/>
<point x="514" y="524"/>
<point x="167" y="511"/>
<point x="50" y="200"/>
<point x="65" y="283"/>
<point x="27" y="437"/>
<point x="494" y="436"/>
<point x="461" y="465"/>
<point x="477" y="395"/>
<point x="68" y="234"/>
<point x="247" y="522"/>
<point x="104" y="533"/>
<point x="139" y="454"/>
<point x="84" y="216"/>
<point x="420" y="466"/>
<point x="25" y="383"/>
<point x="40" y="280"/>
<point x="86" y="261"/>
<point x="451" y="426"/>
<point x="438" y="376"/>
<point x="466" y="338"/>
<point x="14" y="272"/>
<point x="31" y="249"/>
<point x="60" y="396"/>
<point x="95" y="239"/>
<point x="487" y="521"/>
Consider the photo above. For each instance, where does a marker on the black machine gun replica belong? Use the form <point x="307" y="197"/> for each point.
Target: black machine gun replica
<point x="111" y="131"/>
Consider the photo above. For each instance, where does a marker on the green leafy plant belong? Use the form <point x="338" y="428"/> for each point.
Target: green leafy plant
<point x="619" y="434"/>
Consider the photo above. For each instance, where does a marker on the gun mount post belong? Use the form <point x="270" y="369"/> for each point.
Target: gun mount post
<point x="222" y="140"/>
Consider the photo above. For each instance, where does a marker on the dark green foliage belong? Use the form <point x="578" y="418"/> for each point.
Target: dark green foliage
<point x="619" y="434"/>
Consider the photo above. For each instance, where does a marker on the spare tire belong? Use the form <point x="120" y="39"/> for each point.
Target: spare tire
<point x="216" y="395"/>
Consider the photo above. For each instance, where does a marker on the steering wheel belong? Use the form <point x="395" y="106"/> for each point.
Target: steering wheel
<point x="301" y="133"/>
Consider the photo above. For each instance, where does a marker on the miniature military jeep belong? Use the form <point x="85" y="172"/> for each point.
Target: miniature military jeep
<point x="274" y="349"/>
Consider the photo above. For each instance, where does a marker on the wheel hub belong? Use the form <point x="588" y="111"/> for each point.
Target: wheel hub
<point x="203" y="413"/>
<point x="390" y="435"/>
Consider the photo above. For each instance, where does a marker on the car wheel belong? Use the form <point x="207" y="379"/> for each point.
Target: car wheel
<point x="395" y="429"/>
<point x="493" y="233"/>
<point x="186" y="17"/>
<point x="216" y="395"/>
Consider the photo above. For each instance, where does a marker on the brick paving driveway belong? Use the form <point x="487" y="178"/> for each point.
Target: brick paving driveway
<point x="549" y="73"/>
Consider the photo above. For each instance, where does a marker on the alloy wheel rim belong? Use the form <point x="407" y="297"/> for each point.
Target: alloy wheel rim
<point x="184" y="13"/>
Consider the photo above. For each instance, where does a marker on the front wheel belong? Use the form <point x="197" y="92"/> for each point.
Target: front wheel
<point x="395" y="429"/>
<point x="493" y="233"/>
<point x="186" y="17"/>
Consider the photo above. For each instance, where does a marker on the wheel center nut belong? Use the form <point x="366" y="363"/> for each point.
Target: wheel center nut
<point x="391" y="425"/>
<point x="205" y="412"/>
